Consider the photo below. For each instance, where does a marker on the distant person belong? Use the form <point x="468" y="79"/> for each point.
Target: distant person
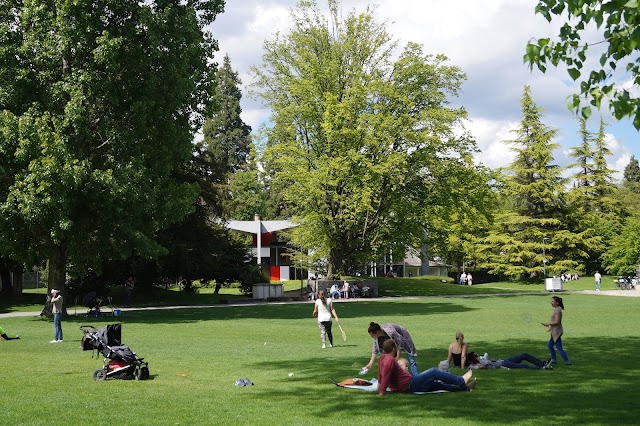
<point x="334" y="292"/>
<point x="598" y="279"/>
<point x="310" y="293"/>
<point x="463" y="278"/>
<point x="345" y="290"/>
<point x="5" y="337"/>
<point x="555" y="328"/>
<point x="323" y="308"/>
<point x="56" y="309"/>
<point x="469" y="279"/>
<point x="458" y="352"/>
<point x="381" y="333"/>
<point x="130" y="285"/>
<point x="391" y="375"/>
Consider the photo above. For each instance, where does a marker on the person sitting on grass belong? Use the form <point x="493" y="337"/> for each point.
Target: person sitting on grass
<point x="394" y="377"/>
<point x="5" y="337"/>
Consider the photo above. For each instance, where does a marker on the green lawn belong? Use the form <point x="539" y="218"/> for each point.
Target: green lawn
<point x="51" y="384"/>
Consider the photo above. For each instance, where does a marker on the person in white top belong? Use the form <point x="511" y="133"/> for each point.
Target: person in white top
<point x="598" y="278"/>
<point x="323" y="308"/>
<point x="345" y="290"/>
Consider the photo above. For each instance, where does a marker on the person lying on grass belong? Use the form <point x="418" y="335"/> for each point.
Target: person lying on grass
<point x="394" y="377"/>
<point x="4" y="335"/>
<point x="516" y="361"/>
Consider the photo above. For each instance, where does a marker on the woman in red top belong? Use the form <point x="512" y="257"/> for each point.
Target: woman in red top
<point x="394" y="377"/>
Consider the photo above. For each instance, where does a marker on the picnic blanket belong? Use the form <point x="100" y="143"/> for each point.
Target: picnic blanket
<point x="371" y="386"/>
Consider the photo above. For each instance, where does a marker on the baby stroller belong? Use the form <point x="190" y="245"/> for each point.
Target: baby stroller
<point x="120" y="362"/>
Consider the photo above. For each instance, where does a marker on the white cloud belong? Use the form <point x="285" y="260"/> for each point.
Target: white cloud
<point x="486" y="39"/>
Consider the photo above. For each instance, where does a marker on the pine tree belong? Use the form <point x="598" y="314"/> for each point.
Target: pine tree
<point x="530" y="236"/>
<point x="632" y="172"/>
<point x="226" y="144"/>
<point x="227" y="138"/>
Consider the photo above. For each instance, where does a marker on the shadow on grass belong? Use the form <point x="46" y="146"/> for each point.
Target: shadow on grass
<point x="267" y="312"/>
<point x="592" y="391"/>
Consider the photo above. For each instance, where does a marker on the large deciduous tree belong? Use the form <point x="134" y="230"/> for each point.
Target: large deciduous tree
<point x="361" y="146"/>
<point x="619" y="21"/>
<point x="99" y="101"/>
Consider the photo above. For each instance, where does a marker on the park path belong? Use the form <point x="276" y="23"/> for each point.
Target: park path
<point x="621" y="293"/>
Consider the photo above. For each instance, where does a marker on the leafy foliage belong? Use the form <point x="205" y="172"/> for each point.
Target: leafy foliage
<point x="361" y="145"/>
<point x="99" y="102"/>
<point x="530" y="235"/>
<point x="620" y="22"/>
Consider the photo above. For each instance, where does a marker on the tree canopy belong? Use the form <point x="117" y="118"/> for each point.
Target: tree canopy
<point x="619" y="61"/>
<point x="362" y="146"/>
<point x="99" y="102"/>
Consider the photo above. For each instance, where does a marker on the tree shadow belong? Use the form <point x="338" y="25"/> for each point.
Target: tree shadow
<point x="589" y="392"/>
<point x="401" y="308"/>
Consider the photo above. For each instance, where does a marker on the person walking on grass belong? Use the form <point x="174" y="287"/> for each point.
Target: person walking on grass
<point x="391" y="375"/>
<point x="381" y="333"/>
<point x="598" y="279"/>
<point x="323" y="308"/>
<point x="56" y="309"/>
<point x="555" y="328"/>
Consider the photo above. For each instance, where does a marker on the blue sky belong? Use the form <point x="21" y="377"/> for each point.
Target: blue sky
<point x="486" y="39"/>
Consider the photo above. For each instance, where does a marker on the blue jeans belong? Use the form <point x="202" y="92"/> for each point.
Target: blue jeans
<point x="57" y="326"/>
<point x="558" y="345"/>
<point x="597" y="285"/>
<point x="434" y="379"/>
<point x="516" y="360"/>
<point x="412" y="365"/>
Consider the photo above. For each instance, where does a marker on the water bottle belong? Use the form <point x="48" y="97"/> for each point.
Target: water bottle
<point x="363" y="371"/>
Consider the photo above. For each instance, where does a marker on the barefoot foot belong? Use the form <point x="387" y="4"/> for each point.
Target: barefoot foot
<point x="467" y="376"/>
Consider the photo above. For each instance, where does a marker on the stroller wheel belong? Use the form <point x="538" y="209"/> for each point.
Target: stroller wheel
<point x="142" y="373"/>
<point x="99" y="375"/>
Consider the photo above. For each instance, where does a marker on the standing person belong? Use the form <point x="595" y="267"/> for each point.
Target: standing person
<point x="463" y="278"/>
<point x="345" y="290"/>
<point x="381" y="333"/>
<point x="391" y="375"/>
<point x="5" y="337"/>
<point x="56" y="309"/>
<point x="323" y="308"/>
<point x="458" y="351"/>
<point x="598" y="278"/>
<point x="469" y="279"/>
<point x="555" y="328"/>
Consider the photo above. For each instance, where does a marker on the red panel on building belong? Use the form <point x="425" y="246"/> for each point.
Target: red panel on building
<point x="275" y="273"/>
<point x="265" y="240"/>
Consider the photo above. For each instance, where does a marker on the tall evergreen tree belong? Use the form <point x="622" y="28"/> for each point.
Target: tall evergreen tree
<point x="594" y="208"/>
<point x="535" y="207"/>
<point x="226" y="136"/>
<point x="632" y="172"/>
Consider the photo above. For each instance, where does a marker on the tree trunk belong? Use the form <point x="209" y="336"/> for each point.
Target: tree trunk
<point x="5" y="280"/>
<point x="18" y="281"/>
<point x="57" y="278"/>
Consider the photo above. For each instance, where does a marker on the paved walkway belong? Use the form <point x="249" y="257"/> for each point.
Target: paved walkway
<point x="622" y="293"/>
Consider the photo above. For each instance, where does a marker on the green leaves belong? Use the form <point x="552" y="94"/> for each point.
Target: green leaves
<point x="620" y="20"/>
<point x="361" y="146"/>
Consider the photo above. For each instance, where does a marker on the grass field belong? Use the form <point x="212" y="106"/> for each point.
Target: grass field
<point x="51" y="384"/>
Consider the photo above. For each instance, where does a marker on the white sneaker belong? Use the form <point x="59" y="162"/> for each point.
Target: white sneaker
<point x="330" y="345"/>
<point x="60" y="341"/>
<point x="53" y="341"/>
<point x="323" y="346"/>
